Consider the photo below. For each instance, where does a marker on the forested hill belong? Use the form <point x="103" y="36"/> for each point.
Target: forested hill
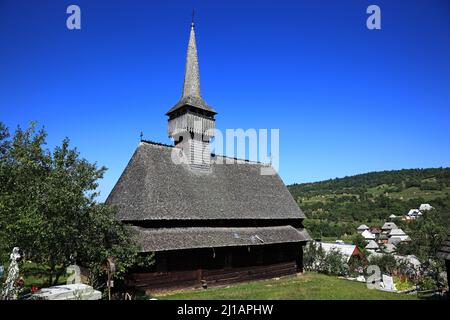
<point x="335" y="206"/>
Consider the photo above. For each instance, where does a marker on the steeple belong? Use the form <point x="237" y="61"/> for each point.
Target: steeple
<point x="191" y="86"/>
<point x="191" y="120"/>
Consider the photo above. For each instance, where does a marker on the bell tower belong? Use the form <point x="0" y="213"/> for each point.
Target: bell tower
<point x="191" y="120"/>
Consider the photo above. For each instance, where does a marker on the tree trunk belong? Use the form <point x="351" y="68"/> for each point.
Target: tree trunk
<point x="58" y="275"/>
<point x="52" y="272"/>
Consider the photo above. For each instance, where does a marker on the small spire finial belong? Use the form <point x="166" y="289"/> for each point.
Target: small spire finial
<point x="193" y="15"/>
<point x="142" y="136"/>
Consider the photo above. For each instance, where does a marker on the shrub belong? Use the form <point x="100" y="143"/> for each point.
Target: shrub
<point x="332" y="263"/>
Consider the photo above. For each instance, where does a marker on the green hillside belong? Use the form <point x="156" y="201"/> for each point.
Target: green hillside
<point x="335" y="207"/>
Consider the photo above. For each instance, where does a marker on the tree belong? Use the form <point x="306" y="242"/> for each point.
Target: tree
<point x="48" y="206"/>
<point x="359" y="241"/>
<point x="316" y="259"/>
<point x="427" y="234"/>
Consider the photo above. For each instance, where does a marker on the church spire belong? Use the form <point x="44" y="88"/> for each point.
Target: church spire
<point x="191" y="85"/>
<point x="191" y="95"/>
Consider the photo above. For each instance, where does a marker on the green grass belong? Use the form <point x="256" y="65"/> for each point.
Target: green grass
<point x="36" y="275"/>
<point x="307" y="286"/>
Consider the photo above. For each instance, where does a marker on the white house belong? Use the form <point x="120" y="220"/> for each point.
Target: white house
<point x="425" y="207"/>
<point x="347" y="250"/>
<point x="389" y="226"/>
<point x="372" y="245"/>
<point x="414" y="213"/>
<point x="398" y="234"/>
<point x="362" y="228"/>
<point x="392" y="216"/>
<point x="368" y="235"/>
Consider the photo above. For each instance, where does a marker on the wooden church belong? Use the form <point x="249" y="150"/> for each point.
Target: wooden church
<point x="208" y="221"/>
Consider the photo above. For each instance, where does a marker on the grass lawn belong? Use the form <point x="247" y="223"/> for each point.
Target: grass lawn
<point x="36" y="275"/>
<point x="307" y="286"/>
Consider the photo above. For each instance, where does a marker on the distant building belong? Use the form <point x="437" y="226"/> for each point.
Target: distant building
<point x="412" y="215"/>
<point x="362" y="228"/>
<point x="394" y="241"/>
<point x="375" y="231"/>
<point x="383" y="238"/>
<point x="372" y="245"/>
<point x="388" y="226"/>
<point x="389" y="248"/>
<point x="398" y="234"/>
<point x="425" y="207"/>
<point x="392" y="217"/>
<point x="367" y="235"/>
<point x="348" y="251"/>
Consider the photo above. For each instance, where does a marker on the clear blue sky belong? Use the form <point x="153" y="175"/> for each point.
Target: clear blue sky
<point x="347" y="100"/>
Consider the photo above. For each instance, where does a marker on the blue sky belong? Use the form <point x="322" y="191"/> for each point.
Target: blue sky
<point x="346" y="99"/>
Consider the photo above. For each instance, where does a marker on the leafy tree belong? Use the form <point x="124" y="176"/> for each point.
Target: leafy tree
<point x="359" y="241"/>
<point x="316" y="259"/>
<point x="48" y="206"/>
<point x="334" y="263"/>
<point x="313" y="255"/>
<point x="427" y="235"/>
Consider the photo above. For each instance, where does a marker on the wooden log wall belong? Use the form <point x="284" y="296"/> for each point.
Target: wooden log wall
<point x="167" y="281"/>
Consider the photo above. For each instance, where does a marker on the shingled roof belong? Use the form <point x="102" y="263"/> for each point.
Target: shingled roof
<point x="153" y="187"/>
<point x="444" y="251"/>
<point x="205" y="237"/>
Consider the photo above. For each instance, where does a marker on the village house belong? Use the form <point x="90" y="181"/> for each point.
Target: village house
<point x="425" y="207"/>
<point x="375" y="231"/>
<point x="388" y="226"/>
<point x="383" y="238"/>
<point x="372" y="246"/>
<point x="392" y="217"/>
<point x="385" y="230"/>
<point x="367" y="235"/>
<point x="362" y="228"/>
<point x="413" y="214"/>
<point x="208" y="221"/>
<point x="348" y="251"/>
<point x="397" y="235"/>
